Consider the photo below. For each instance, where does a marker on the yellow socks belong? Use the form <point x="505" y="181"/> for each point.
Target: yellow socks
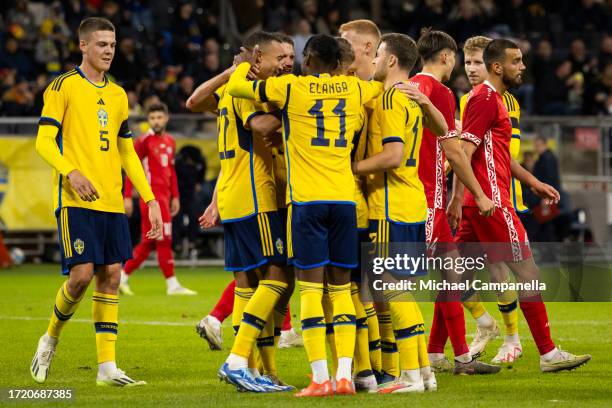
<point x="473" y="303"/>
<point x="313" y="320"/>
<point x="328" y="312"/>
<point x="344" y="319"/>
<point x="255" y="315"/>
<point x="507" y="303"/>
<point x="105" y="308"/>
<point x="266" y="347"/>
<point x="407" y="329"/>
<point x="64" y="308"/>
<point x="373" y="337"/>
<point x="241" y="298"/>
<point x="390" y="355"/>
<point x="361" y="361"/>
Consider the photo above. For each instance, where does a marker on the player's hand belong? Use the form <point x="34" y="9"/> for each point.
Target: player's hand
<point x="210" y="218"/>
<point x="250" y="56"/>
<point x="273" y="140"/>
<point x="485" y="206"/>
<point x="83" y="187"/>
<point x="454" y="212"/>
<point x="155" y="219"/>
<point x="175" y="206"/>
<point x="128" y="203"/>
<point x="413" y="93"/>
<point x="547" y="193"/>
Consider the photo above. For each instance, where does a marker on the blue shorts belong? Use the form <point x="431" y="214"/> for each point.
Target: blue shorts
<point x="384" y="232"/>
<point x="363" y="236"/>
<point x="254" y="242"/>
<point x="323" y="234"/>
<point x="102" y="238"/>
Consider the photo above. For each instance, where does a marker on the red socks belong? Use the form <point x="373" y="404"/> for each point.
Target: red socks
<point x="534" y="311"/>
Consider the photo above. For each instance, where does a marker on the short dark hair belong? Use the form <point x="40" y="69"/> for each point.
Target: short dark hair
<point x="91" y="24"/>
<point x="284" y="38"/>
<point x="347" y="54"/>
<point x="432" y="42"/>
<point x="325" y="50"/>
<point x="259" y="38"/>
<point x="157" y="107"/>
<point x="403" y="47"/>
<point x="496" y="51"/>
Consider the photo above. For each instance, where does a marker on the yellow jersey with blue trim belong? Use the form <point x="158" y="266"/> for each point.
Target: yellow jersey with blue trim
<point x="359" y="153"/>
<point x="397" y="195"/>
<point x="321" y="115"/>
<point x="90" y="118"/>
<point x="514" y="112"/>
<point x="246" y="185"/>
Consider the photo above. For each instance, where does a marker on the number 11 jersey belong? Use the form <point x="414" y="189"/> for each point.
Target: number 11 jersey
<point x="321" y="115"/>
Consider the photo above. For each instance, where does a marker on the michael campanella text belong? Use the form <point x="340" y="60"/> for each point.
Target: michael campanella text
<point x="442" y="285"/>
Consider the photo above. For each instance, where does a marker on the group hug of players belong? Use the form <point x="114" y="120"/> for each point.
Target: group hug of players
<point x="354" y="150"/>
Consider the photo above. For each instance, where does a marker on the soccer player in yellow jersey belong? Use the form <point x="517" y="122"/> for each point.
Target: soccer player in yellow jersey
<point x="363" y="36"/>
<point x="320" y="115"/>
<point x="255" y="242"/>
<point x="83" y="134"/>
<point x="507" y="303"/>
<point x="395" y="133"/>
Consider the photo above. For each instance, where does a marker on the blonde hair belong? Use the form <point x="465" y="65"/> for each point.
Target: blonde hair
<point x="477" y="43"/>
<point x="366" y="27"/>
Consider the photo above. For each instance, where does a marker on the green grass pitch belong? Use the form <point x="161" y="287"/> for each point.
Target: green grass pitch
<point x="158" y="343"/>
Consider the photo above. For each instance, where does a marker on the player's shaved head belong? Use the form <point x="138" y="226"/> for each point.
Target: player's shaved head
<point x="92" y="24"/>
<point x="432" y="42"/>
<point x="477" y="43"/>
<point x="321" y="54"/>
<point x="403" y="48"/>
<point x="362" y="27"/>
<point x="284" y="38"/>
<point x="261" y="38"/>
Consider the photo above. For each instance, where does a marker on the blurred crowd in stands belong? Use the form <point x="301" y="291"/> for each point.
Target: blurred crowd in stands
<point x="167" y="47"/>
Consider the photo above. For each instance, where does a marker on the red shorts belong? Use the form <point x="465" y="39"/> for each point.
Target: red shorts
<point x="502" y="235"/>
<point x="438" y="234"/>
<point x="145" y="225"/>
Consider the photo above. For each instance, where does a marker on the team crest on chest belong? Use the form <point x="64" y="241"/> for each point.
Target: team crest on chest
<point x="102" y="117"/>
<point x="279" y="246"/>
<point x="79" y="246"/>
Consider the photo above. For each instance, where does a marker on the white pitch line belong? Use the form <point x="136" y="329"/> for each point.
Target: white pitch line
<point x="141" y="322"/>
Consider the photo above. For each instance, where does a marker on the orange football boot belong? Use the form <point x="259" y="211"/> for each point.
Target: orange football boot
<point x="317" y="390"/>
<point x="345" y="387"/>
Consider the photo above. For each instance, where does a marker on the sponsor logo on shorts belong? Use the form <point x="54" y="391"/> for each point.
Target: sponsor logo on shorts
<point x="79" y="246"/>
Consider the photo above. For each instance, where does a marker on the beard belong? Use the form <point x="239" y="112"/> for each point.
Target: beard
<point x="512" y="83"/>
<point x="380" y="74"/>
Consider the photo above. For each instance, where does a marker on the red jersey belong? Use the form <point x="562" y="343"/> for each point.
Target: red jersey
<point x="157" y="155"/>
<point x="431" y="155"/>
<point x="486" y="123"/>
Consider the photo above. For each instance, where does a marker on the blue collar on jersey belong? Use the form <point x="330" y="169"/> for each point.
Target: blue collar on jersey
<point x="83" y="75"/>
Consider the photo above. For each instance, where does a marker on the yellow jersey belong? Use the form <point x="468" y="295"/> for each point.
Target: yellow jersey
<point x="246" y="186"/>
<point x="321" y="115"/>
<point x="514" y="111"/>
<point x="280" y="176"/>
<point x="90" y="118"/>
<point x="359" y="153"/>
<point x="397" y="195"/>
